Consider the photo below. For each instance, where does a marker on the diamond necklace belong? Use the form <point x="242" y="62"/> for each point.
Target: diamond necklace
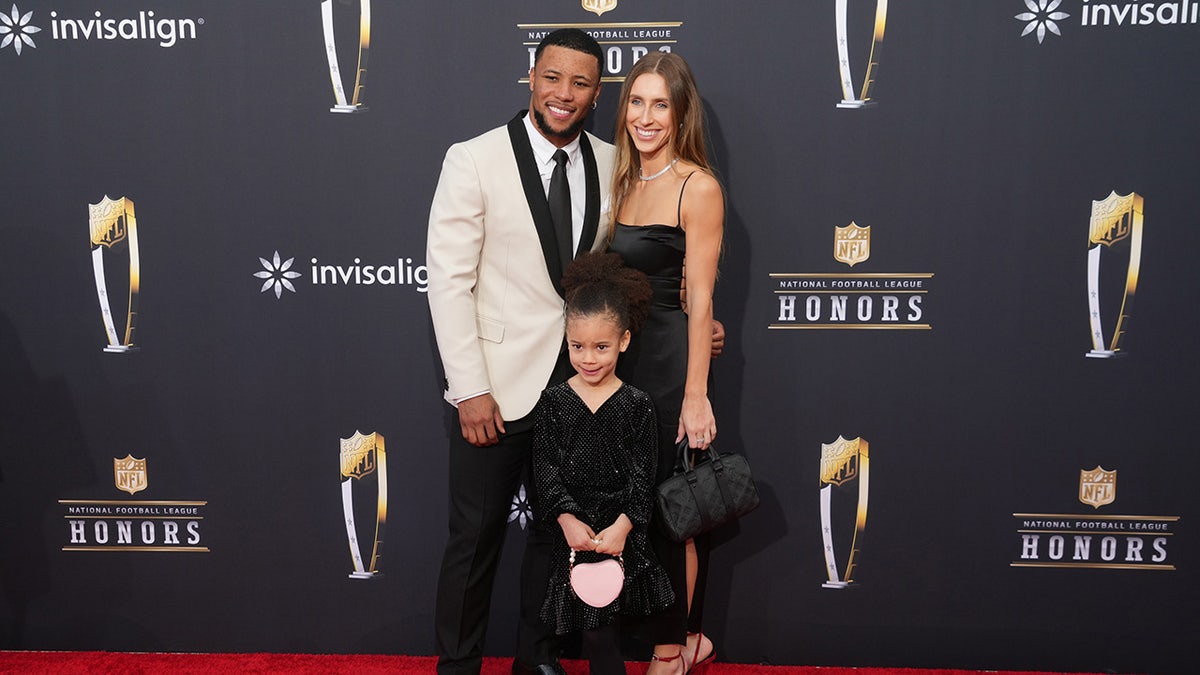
<point x="664" y="170"/>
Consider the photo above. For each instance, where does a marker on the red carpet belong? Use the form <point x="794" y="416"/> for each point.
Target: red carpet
<point x="323" y="664"/>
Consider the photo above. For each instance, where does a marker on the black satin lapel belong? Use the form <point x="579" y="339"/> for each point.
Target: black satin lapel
<point x="535" y="196"/>
<point x="591" y="213"/>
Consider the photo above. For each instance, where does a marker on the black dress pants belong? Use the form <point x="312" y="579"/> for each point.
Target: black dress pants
<point x="482" y="484"/>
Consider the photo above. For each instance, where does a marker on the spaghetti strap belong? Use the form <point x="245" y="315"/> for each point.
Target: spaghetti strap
<point x="679" y="207"/>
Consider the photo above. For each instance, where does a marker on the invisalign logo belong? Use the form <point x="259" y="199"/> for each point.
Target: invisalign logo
<point x="142" y="27"/>
<point x="1139" y="14"/>
<point x="278" y="274"/>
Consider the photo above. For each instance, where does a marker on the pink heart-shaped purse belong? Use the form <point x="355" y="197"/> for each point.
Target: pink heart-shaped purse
<point x="598" y="583"/>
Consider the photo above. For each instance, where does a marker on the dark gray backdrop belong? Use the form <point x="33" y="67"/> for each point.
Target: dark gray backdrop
<point x="978" y="165"/>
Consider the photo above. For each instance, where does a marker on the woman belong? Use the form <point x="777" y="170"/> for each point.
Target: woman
<point x="669" y="208"/>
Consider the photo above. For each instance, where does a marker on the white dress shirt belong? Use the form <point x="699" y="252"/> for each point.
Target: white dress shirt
<point x="543" y="155"/>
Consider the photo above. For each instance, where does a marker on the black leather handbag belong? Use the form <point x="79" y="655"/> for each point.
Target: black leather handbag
<point x="714" y="490"/>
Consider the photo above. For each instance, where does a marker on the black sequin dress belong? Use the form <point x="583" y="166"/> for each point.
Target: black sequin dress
<point x="598" y="466"/>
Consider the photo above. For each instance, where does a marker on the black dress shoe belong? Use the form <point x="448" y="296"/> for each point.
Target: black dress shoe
<point x="554" y="668"/>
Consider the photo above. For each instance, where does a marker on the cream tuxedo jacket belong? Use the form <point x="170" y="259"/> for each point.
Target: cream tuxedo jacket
<point x="494" y="269"/>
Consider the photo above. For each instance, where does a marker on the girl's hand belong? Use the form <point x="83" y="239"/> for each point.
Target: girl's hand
<point x="612" y="538"/>
<point x="696" y="421"/>
<point x="579" y="536"/>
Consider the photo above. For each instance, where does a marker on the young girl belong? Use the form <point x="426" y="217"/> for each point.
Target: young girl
<point x="595" y="450"/>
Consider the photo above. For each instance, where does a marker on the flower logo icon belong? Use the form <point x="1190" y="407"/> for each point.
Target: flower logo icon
<point x="1041" y="17"/>
<point x="16" y="30"/>
<point x="278" y="275"/>
<point x="521" y="511"/>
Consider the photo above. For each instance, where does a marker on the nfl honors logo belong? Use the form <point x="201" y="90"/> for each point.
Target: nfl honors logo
<point x="1097" y="487"/>
<point x="141" y="525"/>
<point x="851" y="244"/>
<point x="1096" y="540"/>
<point x="599" y="7"/>
<point x="129" y="474"/>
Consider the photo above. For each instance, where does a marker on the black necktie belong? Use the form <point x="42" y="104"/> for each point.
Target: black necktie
<point x="559" y="198"/>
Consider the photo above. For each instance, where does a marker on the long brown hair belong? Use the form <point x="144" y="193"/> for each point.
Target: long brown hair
<point x="686" y="108"/>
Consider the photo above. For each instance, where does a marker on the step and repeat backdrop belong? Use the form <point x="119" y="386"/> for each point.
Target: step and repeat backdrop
<point x="958" y="282"/>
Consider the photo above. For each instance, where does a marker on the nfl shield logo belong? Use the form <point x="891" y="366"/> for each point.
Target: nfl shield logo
<point x="839" y="461"/>
<point x="108" y="220"/>
<point x="851" y="244"/>
<point x="358" y="455"/>
<point x="129" y="474"/>
<point x="1113" y="218"/>
<point x="599" y="6"/>
<point x="1097" y="487"/>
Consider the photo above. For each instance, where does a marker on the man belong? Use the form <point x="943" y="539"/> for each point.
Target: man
<point x="497" y="246"/>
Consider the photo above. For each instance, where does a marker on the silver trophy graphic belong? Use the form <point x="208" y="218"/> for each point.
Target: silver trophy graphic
<point x="354" y="102"/>
<point x="863" y="98"/>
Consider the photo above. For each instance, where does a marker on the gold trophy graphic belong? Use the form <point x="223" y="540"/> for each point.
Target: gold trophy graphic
<point x="364" y="456"/>
<point x="842" y="462"/>
<point x="113" y="227"/>
<point x="1115" y="229"/>
<point x="353" y="103"/>
<point x="863" y="98"/>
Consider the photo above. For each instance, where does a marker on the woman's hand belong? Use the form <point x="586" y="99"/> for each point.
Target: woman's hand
<point x="696" y="421"/>
<point x="579" y="536"/>
<point x="612" y="538"/>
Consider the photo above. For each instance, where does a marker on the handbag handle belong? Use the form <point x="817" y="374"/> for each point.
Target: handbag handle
<point x="571" y="562"/>
<point x="683" y="461"/>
